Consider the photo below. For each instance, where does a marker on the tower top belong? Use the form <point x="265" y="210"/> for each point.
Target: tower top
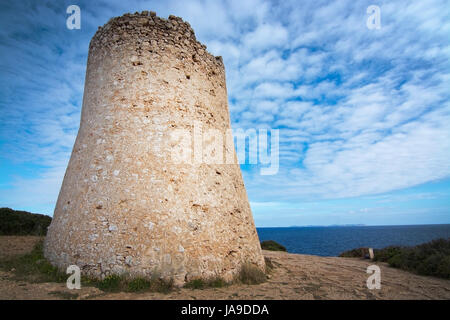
<point x="146" y="29"/>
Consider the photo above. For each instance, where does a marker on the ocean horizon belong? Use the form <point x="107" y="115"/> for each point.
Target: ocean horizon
<point x="335" y="239"/>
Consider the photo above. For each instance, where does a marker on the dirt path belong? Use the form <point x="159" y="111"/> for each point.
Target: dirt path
<point x="295" y="277"/>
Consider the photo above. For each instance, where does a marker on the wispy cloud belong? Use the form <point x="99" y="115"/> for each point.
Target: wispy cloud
<point x="360" y="111"/>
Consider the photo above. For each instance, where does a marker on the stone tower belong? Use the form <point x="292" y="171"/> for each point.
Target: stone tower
<point x="125" y="207"/>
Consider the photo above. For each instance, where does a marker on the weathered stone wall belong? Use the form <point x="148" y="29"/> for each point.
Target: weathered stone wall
<point x="124" y="205"/>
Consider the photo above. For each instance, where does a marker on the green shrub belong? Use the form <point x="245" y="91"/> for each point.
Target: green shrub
<point x="218" y="283"/>
<point x="430" y="259"/>
<point x="112" y="283"/>
<point x="161" y="285"/>
<point x="355" y="253"/>
<point x="443" y="268"/>
<point x="125" y="283"/>
<point x="272" y="245"/>
<point x="386" y="253"/>
<point x="214" y="282"/>
<point x="139" y="284"/>
<point x="21" y="223"/>
<point x="195" y="284"/>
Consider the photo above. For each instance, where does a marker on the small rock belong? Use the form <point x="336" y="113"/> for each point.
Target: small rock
<point x="129" y="260"/>
<point x="143" y="21"/>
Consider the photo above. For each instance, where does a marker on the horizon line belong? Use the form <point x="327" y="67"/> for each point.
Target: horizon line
<point x="358" y="225"/>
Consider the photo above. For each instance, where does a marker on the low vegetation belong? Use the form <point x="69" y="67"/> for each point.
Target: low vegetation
<point x="429" y="259"/>
<point x="251" y="274"/>
<point x="64" y="295"/>
<point x="272" y="246"/>
<point x="269" y="264"/>
<point x="356" y="253"/>
<point x="20" y="223"/>
<point x="215" y="282"/>
<point x="32" y="267"/>
<point x="124" y="283"/>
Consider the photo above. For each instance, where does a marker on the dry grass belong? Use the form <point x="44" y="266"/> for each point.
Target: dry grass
<point x="251" y="274"/>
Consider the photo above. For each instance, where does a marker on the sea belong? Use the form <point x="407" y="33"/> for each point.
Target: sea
<point x="331" y="241"/>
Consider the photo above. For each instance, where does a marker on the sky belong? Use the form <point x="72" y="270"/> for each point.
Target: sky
<point x="363" y="114"/>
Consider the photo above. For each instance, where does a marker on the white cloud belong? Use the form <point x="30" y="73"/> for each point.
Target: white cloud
<point x="266" y="36"/>
<point x="360" y="111"/>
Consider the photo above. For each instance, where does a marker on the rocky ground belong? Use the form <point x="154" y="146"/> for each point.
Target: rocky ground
<point x="294" y="277"/>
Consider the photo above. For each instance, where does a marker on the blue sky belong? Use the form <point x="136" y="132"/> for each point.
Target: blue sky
<point x="364" y="115"/>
